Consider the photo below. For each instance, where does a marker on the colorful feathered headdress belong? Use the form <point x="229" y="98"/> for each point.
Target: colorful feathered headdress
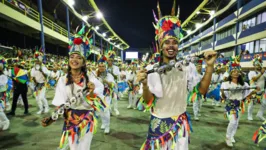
<point x="234" y="63"/>
<point x="168" y="26"/>
<point x="111" y="54"/>
<point x="134" y="62"/>
<point x="198" y="62"/>
<point x="80" y="43"/>
<point x="257" y="60"/>
<point x="38" y="54"/>
<point x="102" y="59"/>
<point x="3" y="62"/>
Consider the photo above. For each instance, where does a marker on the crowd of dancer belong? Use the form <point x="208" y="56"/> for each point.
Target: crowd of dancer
<point x="163" y="85"/>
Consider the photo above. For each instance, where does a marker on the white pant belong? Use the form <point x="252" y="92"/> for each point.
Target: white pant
<point x="181" y="143"/>
<point x="83" y="144"/>
<point x="3" y="119"/>
<point x="250" y="109"/>
<point x="196" y="107"/>
<point x="232" y="126"/>
<point x="105" y="116"/>
<point x="114" y="104"/>
<point x="132" y="99"/>
<point x="262" y="108"/>
<point x="41" y="100"/>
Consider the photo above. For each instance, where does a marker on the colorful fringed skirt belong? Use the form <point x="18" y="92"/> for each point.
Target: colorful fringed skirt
<point x="163" y="130"/>
<point x="78" y="122"/>
<point x="260" y="134"/>
<point x="3" y="100"/>
<point x="233" y="107"/>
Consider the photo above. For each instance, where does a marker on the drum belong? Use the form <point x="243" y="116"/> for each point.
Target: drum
<point x="52" y="82"/>
<point x="214" y="93"/>
<point x="122" y="86"/>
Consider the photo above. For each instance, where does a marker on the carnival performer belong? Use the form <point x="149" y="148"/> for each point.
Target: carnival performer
<point x="78" y="110"/>
<point x="132" y="83"/>
<point x="193" y="98"/>
<point x="234" y="91"/>
<point x="165" y="92"/>
<point x="108" y="81"/>
<point x="114" y="70"/>
<point x="4" y="121"/>
<point x="257" y="78"/>
<point x="39" y="75"/>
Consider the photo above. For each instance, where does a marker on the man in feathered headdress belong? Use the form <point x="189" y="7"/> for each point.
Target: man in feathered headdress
<point x="109" y="82"/>
<point x="114" y="70"/>
<point x="39" y="74"/>
<point x="257" y="78"/>
<point x="166" y="94"/>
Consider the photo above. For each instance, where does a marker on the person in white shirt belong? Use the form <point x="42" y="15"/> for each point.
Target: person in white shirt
<point x="234" y="91"/>
<point x="39" y="73"/>
<point x="109" y="82"/>
<point x="114" y="70"/>
<point x="166" y="94"/>
<point x="257" y="78"/>
<point x="77" y="97"/>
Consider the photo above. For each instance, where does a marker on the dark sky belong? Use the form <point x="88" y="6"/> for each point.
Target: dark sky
<point x="132" y="19"/>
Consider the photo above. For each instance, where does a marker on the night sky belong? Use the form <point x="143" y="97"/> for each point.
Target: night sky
<point x="132" y="19"/>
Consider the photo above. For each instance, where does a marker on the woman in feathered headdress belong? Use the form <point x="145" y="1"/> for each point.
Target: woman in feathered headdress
<point x="77" y="97"/>
<point x="233" y="92"/>
<point x="166" y="94"/>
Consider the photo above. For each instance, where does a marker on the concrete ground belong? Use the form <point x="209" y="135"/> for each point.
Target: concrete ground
<point x="128" y="130"/>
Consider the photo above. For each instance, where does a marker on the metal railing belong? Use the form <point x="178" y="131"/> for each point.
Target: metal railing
<point x="33" y="14"/>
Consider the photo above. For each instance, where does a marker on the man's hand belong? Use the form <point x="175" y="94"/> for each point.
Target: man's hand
<point x="262" y="71"/>
<point x="142" y="77"/>
<point x="210" y="57"/>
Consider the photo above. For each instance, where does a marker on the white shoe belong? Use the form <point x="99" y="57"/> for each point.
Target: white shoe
<point x="229" y="142"/>
<point x="196" y="118"/>
<point x="116" y="112"/>
<point x="261" y="117"/>
<point x="134" y="108"/>
<point x="129" y="106"/>
<point x="218" y="105"/>
<point x="213" y="104"/>
<point x="5" y="125"/>
<point x="250" y="118"/>
<point x="107" y="130"/>
<point x="46" y="110"/>
<point x="233" y="140"/>
<point x="102" y="127"/>
<point x="39" y="112"/>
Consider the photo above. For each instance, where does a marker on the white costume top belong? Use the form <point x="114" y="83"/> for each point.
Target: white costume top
<point x="3" y="82"/>
<point x="171" y="91"/>
<point x="63" y="92"/>
<point x="7" y="72"/>
<point x="39" y="77"/>
<point x="225" y="75"/>
<point x="260" y="82"/>
<point x="235" y="94"/>
<point x="115" y="70"/>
